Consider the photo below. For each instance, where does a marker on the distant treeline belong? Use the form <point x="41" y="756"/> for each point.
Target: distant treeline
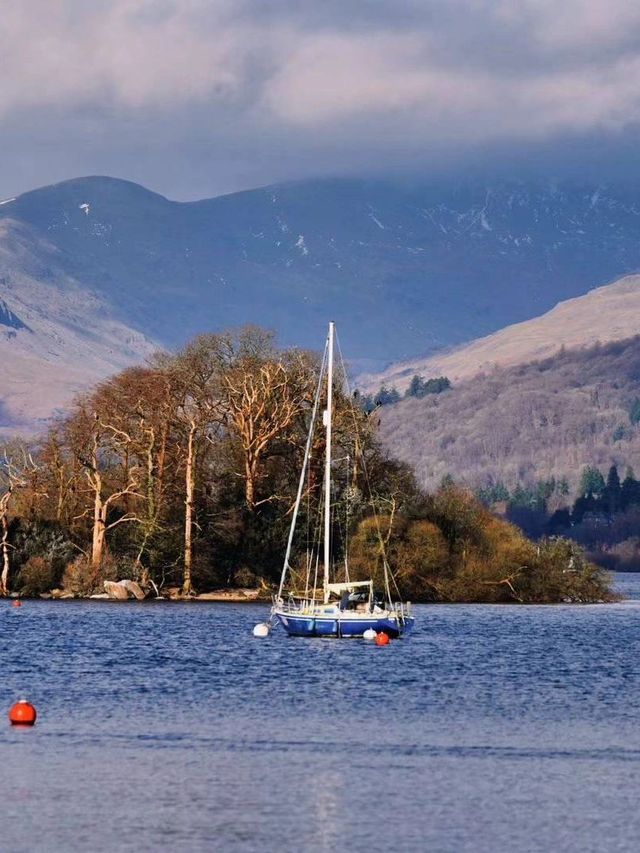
<point x="604" y="515"/>
<point x="183" y="475"/>
<point x="418" y="387"/>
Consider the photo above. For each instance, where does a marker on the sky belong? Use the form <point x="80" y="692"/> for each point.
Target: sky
<point x="194" y="98"/>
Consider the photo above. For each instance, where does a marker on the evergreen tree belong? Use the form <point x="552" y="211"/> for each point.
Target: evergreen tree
<point x="437" y="386"/>
<point x="524" y="497"/>
<point x="629" y="491"/>
<point x="583" y="505"/>
<point x="612" y="491"/>
<point x="494" y="493"/>
<point x="386" y="396"/>
<point x="544" y="490"/>
<point x="613" y="479"/>
<point x="634" y="411"/>
<point x="591" y="482"/>
<point x="416" y="387"/>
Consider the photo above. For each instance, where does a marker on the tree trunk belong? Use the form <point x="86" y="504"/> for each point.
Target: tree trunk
<point x="249" y="483"/>
<point x="99" y="529"/>
<point x="190" y="482"/>
<point x="60" y="499"/>
<point x="4" y="577"/>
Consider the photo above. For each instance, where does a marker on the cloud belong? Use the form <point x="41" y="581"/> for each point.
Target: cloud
<point x="131" y="53"/>
<point x="341" y="82"/>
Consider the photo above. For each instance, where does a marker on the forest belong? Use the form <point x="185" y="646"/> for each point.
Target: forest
<point x="525" y="424"/>
<point x="182" y="474"/>
<point x="603" y="516"/>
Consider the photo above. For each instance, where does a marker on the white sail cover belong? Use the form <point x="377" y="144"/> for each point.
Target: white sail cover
<point x="346" y="587"/>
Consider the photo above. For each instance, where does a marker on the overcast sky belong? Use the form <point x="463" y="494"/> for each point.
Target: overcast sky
<point x="197" y="97"/>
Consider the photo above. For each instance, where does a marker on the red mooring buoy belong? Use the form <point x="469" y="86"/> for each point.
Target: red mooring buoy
<point x="16" y="603"/>
<point x="382" y="639"/>
<point x="22" y="714"/>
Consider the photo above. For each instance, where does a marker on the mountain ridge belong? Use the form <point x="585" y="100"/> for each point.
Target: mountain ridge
<point x="403" y="268"/>
<point x="103" y="271"/>
<point x="607" y="313"/>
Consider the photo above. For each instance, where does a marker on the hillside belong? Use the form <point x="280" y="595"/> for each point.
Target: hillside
<point x="56" y="337"/>
<point x="608" y="313"/>
<point x="524" y="423"/>
<point x="97" y="270"/>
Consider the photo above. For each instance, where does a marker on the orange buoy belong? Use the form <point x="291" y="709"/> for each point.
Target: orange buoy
<point x="22" y="714"/>
<point x="382" y="639"/>
<point x="16" y="603"/>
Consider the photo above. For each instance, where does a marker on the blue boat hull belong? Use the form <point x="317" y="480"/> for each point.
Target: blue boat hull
<point x="332" y="626"/>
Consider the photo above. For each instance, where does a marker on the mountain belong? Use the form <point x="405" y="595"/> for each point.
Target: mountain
<point x="525" y="423"/>
<point x="401" y="267"/>
<point x="56" y="337"/>
<point x="96" y="271"/>
<point x="608" y="313"/>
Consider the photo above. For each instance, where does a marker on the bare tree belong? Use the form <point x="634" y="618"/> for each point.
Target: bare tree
<point x="194" y="376"/>
<point x="264" y="392"/>
<point x="102" y="449"/>
<point x="137" y="411"/>
<point x="16" y="470"/>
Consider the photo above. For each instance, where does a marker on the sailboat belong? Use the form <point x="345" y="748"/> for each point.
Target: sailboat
<point x="338" y="609"/>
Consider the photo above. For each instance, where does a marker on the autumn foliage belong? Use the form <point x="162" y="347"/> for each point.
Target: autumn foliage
<point x="183" y="474"/>
<point x="458" y="551"/>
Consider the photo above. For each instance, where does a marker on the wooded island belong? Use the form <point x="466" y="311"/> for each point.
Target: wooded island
<point x="183" y="473"/>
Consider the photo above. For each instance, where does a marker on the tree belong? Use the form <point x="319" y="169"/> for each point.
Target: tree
<point x="195" y="380"/>
<point x="582" y="505"/>
<point x="386" y="396"/>
<point x="437" y="385"/>
<point x="591" y="482"/>
<point x="612" y="492"/>
<point x="16" y="470"/>
<point x="418" y="387"/>
<point x="493" y="493"/>
<point x="138" y="403"/>
<point x="634" y="411"/>
<point x="415" y="387"/>
<point x="263" y="394"/>
<point x="103" y="450"/>
<point x="363" y="402"/>
<point x="630" y="490"/>
<point x="613" y="479"/>
<point x="60" y="474"/>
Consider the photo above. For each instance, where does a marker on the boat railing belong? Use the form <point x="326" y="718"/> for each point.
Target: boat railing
<point x="297" y="602"/>
<point x="402" y="609"/>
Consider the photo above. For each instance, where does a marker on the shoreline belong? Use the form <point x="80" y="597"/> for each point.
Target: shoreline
<point x="221" y="598"/>
<point x="240" y="596"/>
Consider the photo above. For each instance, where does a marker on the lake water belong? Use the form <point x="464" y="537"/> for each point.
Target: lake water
<point x="170" y="727"/>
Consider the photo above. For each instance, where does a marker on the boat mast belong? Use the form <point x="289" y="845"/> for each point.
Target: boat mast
<point x="303" y="473"/>
<point x="328" y="415"/>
